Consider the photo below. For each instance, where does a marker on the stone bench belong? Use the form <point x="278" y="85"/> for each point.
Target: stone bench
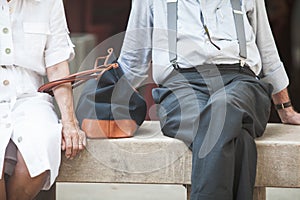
<point x="151" y="158"/>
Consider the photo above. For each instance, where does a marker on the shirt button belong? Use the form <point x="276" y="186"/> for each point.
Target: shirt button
<point x="6" y="82"/>
<point x="7" y="50"/>
<point x="20" y="139"/>
<point x="5" y="116"/>
<point x="5" y="30"/>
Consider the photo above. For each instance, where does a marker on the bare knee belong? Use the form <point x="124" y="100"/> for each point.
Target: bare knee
<point x="21" y="185"/>
<point x="25" y="187"/>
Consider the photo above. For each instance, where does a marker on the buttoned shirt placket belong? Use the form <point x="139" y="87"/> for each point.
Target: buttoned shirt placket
<point x="7" y="101"/>
<point x="6" y="41"/>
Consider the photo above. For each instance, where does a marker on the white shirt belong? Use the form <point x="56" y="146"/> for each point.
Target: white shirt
<point x="40" y="35"/>
<point x="147" y="39"/>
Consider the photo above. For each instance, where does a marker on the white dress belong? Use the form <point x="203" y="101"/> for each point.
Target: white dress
<point x="32" y="38"/>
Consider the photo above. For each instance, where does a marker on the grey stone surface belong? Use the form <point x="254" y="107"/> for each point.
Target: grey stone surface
<point x="150" y="157"/>
<point x="278" y="162"/>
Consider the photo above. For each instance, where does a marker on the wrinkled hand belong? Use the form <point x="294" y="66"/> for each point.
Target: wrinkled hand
<point x="73" y="139"/>
<point x="289" y="116"/>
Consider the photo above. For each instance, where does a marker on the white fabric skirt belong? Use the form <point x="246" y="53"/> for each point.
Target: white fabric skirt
<point x="28" y="119"/>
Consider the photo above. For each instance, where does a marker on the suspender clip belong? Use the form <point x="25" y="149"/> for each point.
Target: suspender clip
<point x="175" y="65"/>
<point x="237" y="12"/>
<point x="242" y="62"/>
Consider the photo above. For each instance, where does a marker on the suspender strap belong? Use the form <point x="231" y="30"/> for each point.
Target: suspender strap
<point x="239" y="27"/>
<point x="172" y="31"/>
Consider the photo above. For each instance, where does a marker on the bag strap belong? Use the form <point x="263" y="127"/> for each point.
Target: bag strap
<point x="79" y="78"/>
<point x="172" y="15"/>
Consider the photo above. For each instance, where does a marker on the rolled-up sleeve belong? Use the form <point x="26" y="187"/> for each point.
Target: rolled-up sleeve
<point x="59" y="46"/>
<point x="136" y="51"/>
<point x="273" y="69"/>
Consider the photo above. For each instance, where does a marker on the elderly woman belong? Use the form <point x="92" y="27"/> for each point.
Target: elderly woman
<point x="34" y="42"/>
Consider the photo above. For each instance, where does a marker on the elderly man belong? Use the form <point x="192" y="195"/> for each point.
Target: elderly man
<point x="218" y="69"/>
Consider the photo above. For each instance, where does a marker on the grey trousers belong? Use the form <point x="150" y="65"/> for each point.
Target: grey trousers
<point x="218" y="113"/>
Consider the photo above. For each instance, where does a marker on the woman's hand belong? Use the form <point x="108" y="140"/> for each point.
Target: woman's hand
<point x="73" y="139"/>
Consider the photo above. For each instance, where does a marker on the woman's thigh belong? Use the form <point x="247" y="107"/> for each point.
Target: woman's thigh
<point x="37" y="135"/>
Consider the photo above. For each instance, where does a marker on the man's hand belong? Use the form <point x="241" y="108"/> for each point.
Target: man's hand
<point x="289" y="116"/>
